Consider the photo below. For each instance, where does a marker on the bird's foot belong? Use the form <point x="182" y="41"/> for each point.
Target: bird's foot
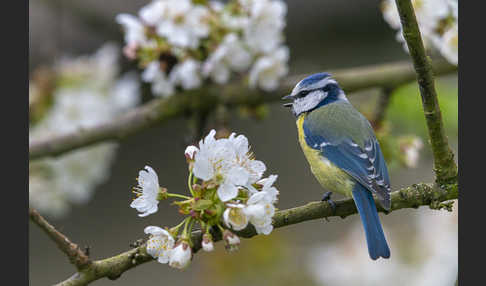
<point x="332" y="204"/>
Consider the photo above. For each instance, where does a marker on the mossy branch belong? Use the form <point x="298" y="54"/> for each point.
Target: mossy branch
<point x="410" y="197"/>
<point x="231" y="95"/>
<point x="444" y="165"/>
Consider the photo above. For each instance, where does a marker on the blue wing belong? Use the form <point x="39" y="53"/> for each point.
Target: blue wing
<point x="351" y="145"/>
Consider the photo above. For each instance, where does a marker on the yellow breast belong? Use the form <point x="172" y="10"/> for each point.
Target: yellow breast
<point x="330" y="176"/>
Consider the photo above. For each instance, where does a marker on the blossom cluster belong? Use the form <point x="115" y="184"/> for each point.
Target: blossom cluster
<point x="438" y="23"/>
<point x="184" y="43"/>
<point x="82" y="92"/>
<point x="227" y="188"/>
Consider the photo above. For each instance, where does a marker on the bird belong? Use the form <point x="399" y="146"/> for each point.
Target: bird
<point x="343" y="152"/>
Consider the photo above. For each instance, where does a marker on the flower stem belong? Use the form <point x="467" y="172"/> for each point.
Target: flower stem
<point x="191" y="224"/>
<point x="175" y="229"/>
<point x="189" y="183"/>
<point x="208" y="227"/>
<point x="178" y="196"/>
<point x="184" y="232"/>
<point x="220" y="227"/>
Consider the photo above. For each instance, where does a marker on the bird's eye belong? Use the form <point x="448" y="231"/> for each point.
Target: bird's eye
<point x="303" y="93"/>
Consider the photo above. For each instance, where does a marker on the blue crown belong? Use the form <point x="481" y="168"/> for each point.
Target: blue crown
<point x="314" y="78"/>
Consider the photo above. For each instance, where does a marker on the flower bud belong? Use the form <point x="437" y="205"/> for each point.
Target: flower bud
<point x="207" y="243"/>
<point x="232" y="241"/>
<point x="190" y="152"/>
<point x="180" y="255"/>
<point x="130" y="51"/>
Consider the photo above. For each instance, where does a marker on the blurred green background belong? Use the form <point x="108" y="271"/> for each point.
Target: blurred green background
<point x="321" y="35"/>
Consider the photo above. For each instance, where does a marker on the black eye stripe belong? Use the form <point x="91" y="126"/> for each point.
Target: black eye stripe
<point x="303" y="93"/>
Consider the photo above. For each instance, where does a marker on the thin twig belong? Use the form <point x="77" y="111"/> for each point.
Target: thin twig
<point x="410" y="197"/>
<point x="381" y="108"/>
<point x="72" y="250"/>
<point x="231" y="95"/>
<point x="444" y="166"/>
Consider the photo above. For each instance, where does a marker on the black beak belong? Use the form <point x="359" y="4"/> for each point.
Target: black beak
<point x="289" y="104"/>
<point x="288" y="97"/>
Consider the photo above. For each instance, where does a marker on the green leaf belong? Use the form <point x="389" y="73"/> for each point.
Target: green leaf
<point x="202" y="205"/>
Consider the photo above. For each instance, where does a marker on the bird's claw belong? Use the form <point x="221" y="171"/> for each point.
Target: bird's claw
<point x="332" y="204"/>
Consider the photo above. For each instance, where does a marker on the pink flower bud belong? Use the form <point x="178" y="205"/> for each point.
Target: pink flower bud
<point x="232" y="241"/>
<point x="207" y="242"/>
<point x="181" y="255"/>
<point x="190" y="152"/>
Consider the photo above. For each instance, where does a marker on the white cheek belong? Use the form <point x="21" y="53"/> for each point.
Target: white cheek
<point x="310" y="101"/>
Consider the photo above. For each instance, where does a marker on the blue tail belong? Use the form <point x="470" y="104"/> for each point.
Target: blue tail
<point x="375" y="237"/>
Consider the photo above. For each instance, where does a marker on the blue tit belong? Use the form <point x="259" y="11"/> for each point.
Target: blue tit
<point x="342" y="151"/>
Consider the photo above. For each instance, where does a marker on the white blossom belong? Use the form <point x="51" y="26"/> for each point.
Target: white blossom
<point x="147" y="192"/>
<point x="154" y="12"/>
<point x="212" y="162"/>
<point x="134" y="29"/>
<point x="180" y="256"/>
<point x="86" y="94"/>
<point x="411" y="152"/>
<point x="267" y="186"/>
<point x="161" y="84"/>
<point x="76" y="174"/>
<point x="260" y="211"/>
<point x="125" y="92"/>
<point x="252" y="30"/>
<point x="267" y="20"/>
<point x="269" y="69"/>
<point x="215" y="67"/>
<point x="430" y="16"/>
<point x="96" y="71"/>
<point x="212" y="154"/>
<point x="44" y="192"/>
<point x="235" y="217"/>
<point x="248" y="170"/>
<point x="160" y="243"/>
<point x="216" y="5"/>
<point x="183" y="23"/>
<point x="234" y="22"/>
<point x="78" y="108"/>
<point x="230" y="54"/>
<point x="428" y="13"/>
<point x="186" y="74"/>
<point x="228" y="162"/>
<point x="425" y="260"/>
<point x="448" y="44"/>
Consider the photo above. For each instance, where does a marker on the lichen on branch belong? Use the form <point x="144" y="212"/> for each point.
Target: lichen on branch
<point x="410" y="197"/>
<point x="444" y="165"/>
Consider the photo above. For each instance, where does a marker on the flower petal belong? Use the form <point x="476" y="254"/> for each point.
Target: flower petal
<point x="227" y="192"/>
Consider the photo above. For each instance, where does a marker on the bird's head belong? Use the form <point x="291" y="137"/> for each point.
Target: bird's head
<point x="314" y="91"/>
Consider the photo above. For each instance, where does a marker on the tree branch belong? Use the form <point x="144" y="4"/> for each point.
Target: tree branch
<point x="410" y="197"/>
<point x="444" y="165"/>
<point x="233" y="94"/>
<point x="75" y="255"/>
